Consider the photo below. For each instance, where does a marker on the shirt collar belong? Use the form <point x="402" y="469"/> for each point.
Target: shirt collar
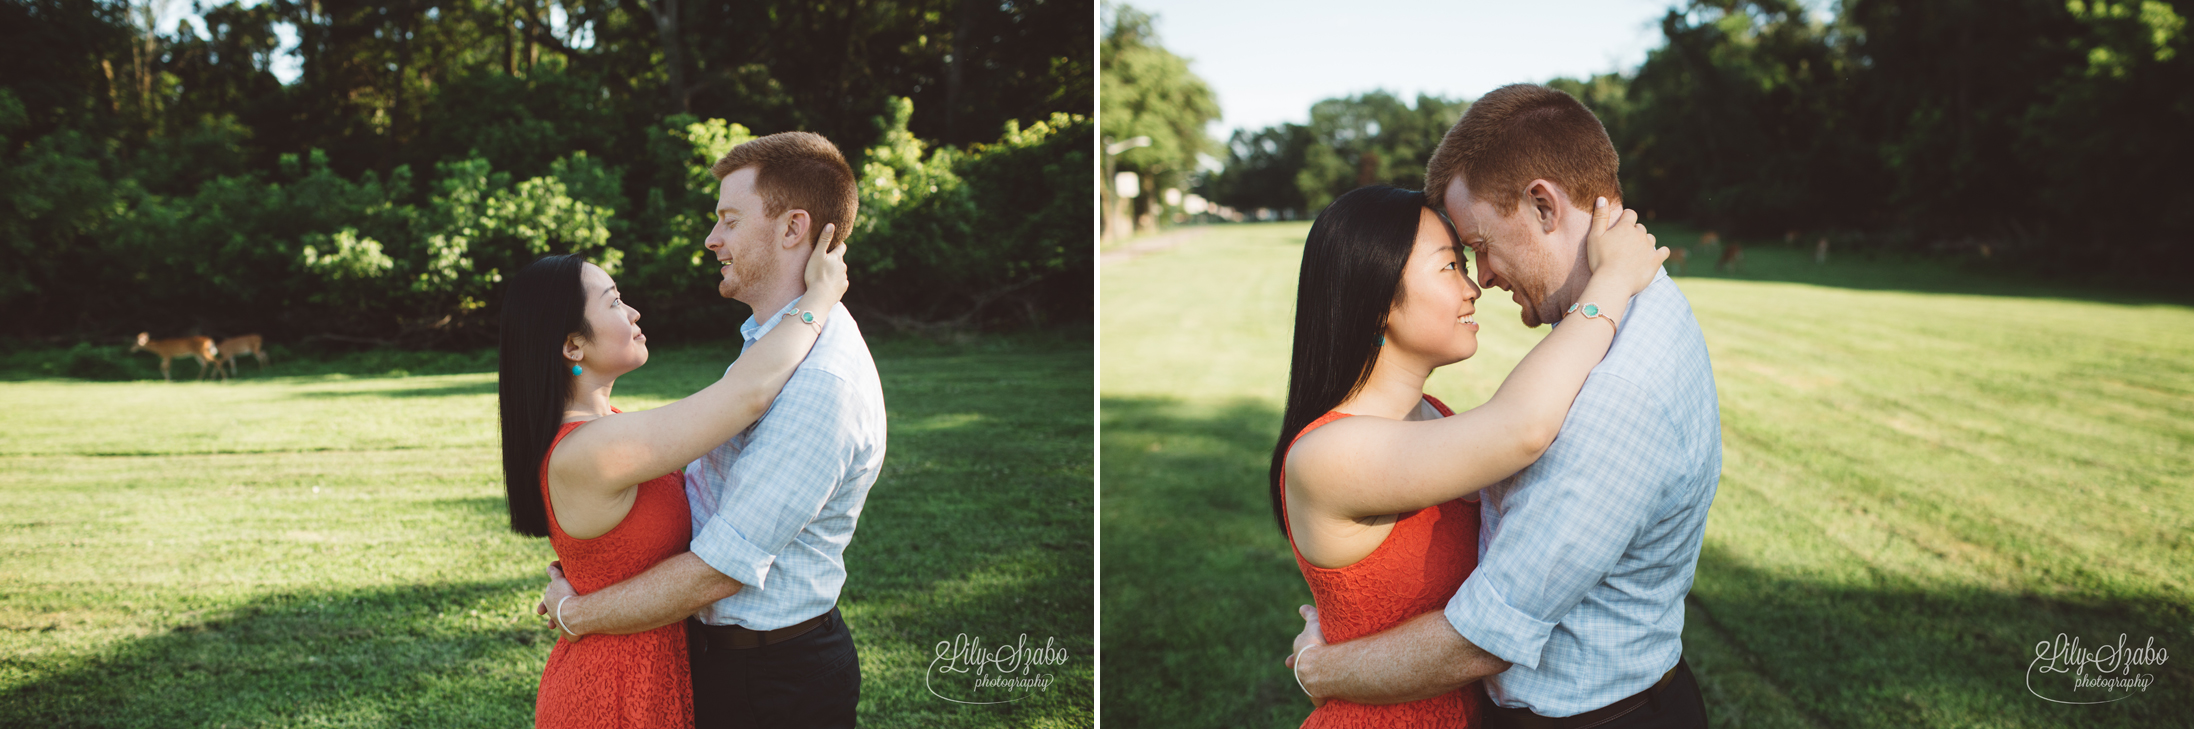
<point x="753" y="330"/>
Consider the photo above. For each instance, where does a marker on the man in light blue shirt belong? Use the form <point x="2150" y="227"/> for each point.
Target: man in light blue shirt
<point x="774" y="507"/>
<point x="1574" y="614"/>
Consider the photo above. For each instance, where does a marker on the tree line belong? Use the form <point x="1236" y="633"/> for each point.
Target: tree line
<point x="170" y="181"/>
<point x="2045" y="131"/>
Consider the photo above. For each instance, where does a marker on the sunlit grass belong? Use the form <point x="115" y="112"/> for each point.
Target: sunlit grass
<point x="327" y="550"/>
<point x="1926" y="472"/>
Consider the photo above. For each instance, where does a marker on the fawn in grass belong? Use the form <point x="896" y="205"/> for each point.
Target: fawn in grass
<point x="199" y="347"/>
<point x="233" y="347"/>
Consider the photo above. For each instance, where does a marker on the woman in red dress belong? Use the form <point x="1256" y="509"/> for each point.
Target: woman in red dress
<point x="1372" y="480"/>
<point x="606" y="487"/>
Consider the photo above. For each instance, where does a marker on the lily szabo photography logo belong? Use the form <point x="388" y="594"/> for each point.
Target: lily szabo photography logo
<point x="965" y="669"/>
<point x="2066" y="673"/>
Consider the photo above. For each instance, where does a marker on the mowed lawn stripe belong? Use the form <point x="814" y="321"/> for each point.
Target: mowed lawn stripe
<point x="328" y="412"/>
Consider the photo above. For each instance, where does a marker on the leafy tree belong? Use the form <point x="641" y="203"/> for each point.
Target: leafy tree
<point x="170" y="182"/>
<point x="1261" y="168"/>
<point x="1150" y="92"/>
<point x="1372" y="138"/>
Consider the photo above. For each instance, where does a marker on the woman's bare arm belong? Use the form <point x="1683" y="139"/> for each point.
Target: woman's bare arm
<point x="1370" y="466"/>
<point x="620" y="450"/>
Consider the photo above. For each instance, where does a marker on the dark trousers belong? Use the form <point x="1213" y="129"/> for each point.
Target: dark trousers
<point x="1676" y="706"/>
<point x="813" y="680"/>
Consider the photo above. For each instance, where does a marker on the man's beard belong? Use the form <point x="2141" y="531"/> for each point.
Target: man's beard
<point x="746" y="271"/>
<point x="1547" y="303"/>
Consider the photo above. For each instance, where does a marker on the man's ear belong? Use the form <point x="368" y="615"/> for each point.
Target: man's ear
<point x="799" y="227"/>
<point x="1546" y="201"/>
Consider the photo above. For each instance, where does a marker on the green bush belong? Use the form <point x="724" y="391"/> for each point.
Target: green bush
<point x="995" y="234"/>
<point x="86" y="361"/>
<point x="947" y="236"/>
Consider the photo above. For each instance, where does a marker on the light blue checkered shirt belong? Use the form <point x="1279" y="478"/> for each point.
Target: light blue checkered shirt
<point x="1585" y="557"/>
<point x="775" y="506"/>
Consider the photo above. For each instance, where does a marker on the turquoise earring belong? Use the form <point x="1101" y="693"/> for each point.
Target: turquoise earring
<point x="575" y="370"/>
<point x="1382" y="342"/>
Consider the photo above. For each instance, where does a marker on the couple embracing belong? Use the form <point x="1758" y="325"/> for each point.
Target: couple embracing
<point x="1523" y="563"/>
<point x="701" y="544"/>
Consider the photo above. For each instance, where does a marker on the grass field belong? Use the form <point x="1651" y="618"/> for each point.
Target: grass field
<point x="1926" y="472"/>
<point x="330" y="550"/>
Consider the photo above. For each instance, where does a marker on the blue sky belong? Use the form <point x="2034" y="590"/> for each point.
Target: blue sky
<point x="1270" y="60"/>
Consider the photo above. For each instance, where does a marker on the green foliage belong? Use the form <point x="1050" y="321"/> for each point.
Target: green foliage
<point x="1262" y="166"/>
<point x="88" y="362"/>
<point x="1150" y="92"/>
<point x="1944" y="127"/>
<point x="57" y="195"/>
<point x="168" y="181"/>
<point x="1374" y="138"/>
<point x="946" y="234"/>
<point x="1933" y="126"/>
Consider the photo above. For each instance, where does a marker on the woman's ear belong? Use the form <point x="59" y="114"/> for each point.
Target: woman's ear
<point x="798" y="229"/>
<point x="575" y="348"/>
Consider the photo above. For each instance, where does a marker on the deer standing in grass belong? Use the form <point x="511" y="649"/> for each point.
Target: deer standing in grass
<point x="1732" y="254"/>
<point x="233" y="347"/>
<point x="169" y="349"/>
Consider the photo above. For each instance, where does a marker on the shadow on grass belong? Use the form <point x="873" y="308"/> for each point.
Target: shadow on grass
<point x="1893" y="652"/>
<point x="410" y="655"/>
<point x="1878" y="271"/>
<point x="1201" y="588"/>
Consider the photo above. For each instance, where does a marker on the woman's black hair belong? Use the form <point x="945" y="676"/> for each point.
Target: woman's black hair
<point x="1351" y="278"/>
<point x="544" y="304"/>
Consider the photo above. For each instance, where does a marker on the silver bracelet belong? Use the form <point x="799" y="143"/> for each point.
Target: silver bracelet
<point x="567" y="629"/>
<point x="1299" y="670"/>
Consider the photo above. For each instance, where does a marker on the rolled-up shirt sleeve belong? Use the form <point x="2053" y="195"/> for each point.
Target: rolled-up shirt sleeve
<point x="781" y="479"/>
<point x="1566" y="522"/>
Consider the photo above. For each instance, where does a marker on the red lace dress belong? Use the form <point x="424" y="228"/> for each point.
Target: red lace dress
<point x="1414" y="571"/>
<point x="637" y="680"/>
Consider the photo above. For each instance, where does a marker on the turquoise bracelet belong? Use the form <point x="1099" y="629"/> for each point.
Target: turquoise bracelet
<point x="1592" y="311"/>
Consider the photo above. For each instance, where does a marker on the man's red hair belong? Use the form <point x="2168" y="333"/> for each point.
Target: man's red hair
<point x="802" y="171"/>
<point x="1519" y="133"/>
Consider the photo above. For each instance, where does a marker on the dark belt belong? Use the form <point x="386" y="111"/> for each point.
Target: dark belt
<point x="733" y="637"/>
<point x="1524" y="719"/>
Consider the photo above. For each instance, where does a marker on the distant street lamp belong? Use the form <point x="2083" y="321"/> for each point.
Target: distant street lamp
<point x="1122" y="146"/>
